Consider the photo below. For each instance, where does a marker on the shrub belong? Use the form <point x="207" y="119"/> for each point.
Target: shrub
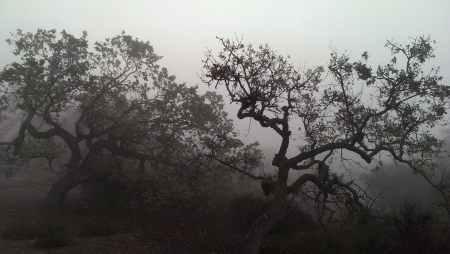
<point x="412" y="227"/>
<point x="52" y="234"/>
<point x="97" y="228"/>
<point x="245" y="209"/>
<point x="115" y="194"/>
<point x="187" y="194"/>
<point x="184" y="196"/>
<point x="407" y="229"/>
<point x="296" y="220"/>
<point x="21" y="230"/>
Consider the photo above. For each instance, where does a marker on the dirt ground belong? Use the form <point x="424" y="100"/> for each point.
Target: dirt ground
<point x="136" y="233"/>
<point x="140" y="232"/>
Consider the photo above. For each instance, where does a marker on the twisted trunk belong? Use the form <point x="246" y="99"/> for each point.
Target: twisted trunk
<point x="57" y="194"/>
<point x="268" y="220"/>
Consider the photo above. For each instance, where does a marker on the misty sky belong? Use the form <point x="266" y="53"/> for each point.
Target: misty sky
<point x="180" y="31"/>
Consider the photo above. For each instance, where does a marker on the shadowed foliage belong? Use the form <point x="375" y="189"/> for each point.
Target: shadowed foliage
<point x="87" y="111"/>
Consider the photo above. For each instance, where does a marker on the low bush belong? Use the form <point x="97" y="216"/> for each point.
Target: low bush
<point x="296" y="220"/>
<point x="412" y="227"/>
<point x="52" y="234"/>
<point x="245" y="209"/>
<point x="127" y="192"/>
<point x="116" y="194"/>
<point x="97" y="228"/>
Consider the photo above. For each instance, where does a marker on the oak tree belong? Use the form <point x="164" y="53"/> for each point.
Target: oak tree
<point x="84" y="111"/>
<point x="373" y="113"/>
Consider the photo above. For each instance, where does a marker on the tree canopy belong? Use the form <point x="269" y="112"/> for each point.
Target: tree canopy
<point x="110" y="100"/>
<point x="357" y="109"/>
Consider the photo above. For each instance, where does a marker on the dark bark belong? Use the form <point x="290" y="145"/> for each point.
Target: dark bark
<point x="261" y="227"/>
<point x="85" y="172"/>
<point x="57" y="194"/>
<point x="268" y="220"/>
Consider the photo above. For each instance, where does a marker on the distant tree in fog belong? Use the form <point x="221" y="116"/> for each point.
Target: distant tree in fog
<point x="84" y="112"/>
<point x="359" y="110"/>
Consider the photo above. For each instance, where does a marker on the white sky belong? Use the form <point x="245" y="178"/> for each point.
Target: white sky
<point x="180" y="31"/>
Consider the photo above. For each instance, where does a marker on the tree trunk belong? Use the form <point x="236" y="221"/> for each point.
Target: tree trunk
<point x="268" y="220"/>
<point x="261" y="227"/>
<point x="57" y="194"/>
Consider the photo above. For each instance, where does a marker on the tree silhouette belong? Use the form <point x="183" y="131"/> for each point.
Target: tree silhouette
<point x="84" y="111"/>
<point x="387" y="111"/>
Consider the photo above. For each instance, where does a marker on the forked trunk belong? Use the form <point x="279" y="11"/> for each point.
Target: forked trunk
<point x="57" y="194"/>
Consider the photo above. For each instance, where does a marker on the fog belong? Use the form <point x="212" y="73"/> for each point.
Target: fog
<point x="181" y="31"/>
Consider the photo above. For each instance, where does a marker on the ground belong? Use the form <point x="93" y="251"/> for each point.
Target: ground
<point x="137" y="233"/>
